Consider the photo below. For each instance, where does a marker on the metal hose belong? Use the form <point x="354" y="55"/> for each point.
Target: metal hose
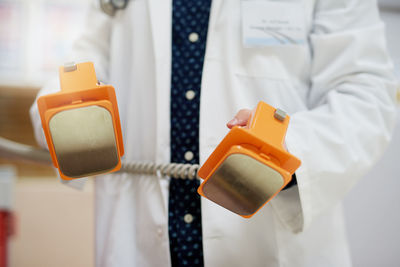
<point x="23" y="152"/>
<point x="19" y="151"/>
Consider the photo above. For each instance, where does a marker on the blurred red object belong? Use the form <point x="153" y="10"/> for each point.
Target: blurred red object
<point x="7" y="228"/>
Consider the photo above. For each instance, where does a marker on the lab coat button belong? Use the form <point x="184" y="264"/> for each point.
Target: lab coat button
<point x="189" y="155"/>
<point x="188" y="218"/>
<point x="190" y="94"/>
<point x="193" y="37"/>
<point x="159" y="231"/>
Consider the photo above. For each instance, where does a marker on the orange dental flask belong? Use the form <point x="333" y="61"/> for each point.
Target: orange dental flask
<point x="81" y="124"/>
<point x="250" y="166"/>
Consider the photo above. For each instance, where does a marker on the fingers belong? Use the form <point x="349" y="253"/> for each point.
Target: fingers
<point x="240" y="119"/>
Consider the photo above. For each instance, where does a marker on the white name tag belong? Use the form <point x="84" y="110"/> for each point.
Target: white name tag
<point x="269" y="23"/>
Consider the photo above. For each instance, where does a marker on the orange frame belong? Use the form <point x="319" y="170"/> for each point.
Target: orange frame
<point x="262" y="139"/>
<point x="79" y="88"/>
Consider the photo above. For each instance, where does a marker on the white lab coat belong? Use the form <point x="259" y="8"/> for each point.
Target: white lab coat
<point x="338" y="89"/>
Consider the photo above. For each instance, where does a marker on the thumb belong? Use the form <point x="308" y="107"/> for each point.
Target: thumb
<point x="241" y="118"/>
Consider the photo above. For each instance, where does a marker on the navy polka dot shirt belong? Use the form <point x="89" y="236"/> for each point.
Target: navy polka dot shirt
<point x="189" y="34"/>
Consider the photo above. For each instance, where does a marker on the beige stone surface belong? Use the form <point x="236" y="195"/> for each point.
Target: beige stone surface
<point x="55" y="224"/>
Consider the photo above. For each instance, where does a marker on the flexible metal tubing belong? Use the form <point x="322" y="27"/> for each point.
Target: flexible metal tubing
<point x="14" y="150"/>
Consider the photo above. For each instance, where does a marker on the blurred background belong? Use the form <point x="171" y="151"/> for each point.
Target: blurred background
<point x="54" y="223"/>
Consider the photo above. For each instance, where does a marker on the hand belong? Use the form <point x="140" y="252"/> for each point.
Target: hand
<point x="241" y="118"/>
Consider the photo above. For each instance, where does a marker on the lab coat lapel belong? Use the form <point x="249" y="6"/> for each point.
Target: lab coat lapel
<point x="160" y="20"/>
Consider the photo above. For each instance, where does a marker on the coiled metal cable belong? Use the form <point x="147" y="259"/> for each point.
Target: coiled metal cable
<point x="174" y="170"/>
<point x="19" y="151"/>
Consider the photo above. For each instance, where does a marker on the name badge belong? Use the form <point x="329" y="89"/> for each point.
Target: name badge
<point x="272" y="23"/>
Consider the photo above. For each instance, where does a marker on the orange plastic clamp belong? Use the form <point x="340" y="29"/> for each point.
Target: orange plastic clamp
<point x="262" y="139"/>
<point x="79" y="88"/>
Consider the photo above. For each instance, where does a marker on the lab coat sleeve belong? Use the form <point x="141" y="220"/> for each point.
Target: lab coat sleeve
<point x="351" y="110"/>
<point x="92" y="45"/>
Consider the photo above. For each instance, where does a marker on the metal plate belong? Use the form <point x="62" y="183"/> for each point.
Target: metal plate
<point x="84" y="141"/>
<point x="242" y="184"/>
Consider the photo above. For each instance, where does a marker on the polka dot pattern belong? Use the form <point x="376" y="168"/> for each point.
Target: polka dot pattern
<point x="189" y="34"/>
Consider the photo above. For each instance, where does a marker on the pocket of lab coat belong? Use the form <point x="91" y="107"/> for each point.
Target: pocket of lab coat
<point x="266" y="73"/>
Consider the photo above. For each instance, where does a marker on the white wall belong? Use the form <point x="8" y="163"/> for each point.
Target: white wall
<point x="373" y="207"/>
